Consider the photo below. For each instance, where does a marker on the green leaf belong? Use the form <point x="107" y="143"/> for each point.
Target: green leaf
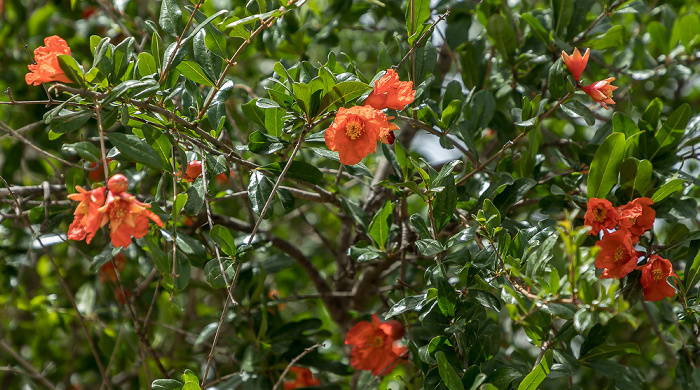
<point x="659" y="36"/>
<point x="537" y="27"/>
<point x="274" y="121"/>
<point x="195" y="197"/>
<point x="86" y="150"/>
<point x="605" y="167"/>
<point x="216" y="113"/>
<point x="406" y="304"/>
<point x="166" y="384"/>
<point x="557" y="79"/>
<point x="446" y="170"/>
<point x="614" y="37"/>
<point x="575" y="109"/>
<point x="356" y="212"/>
<point x="194" y="72"/>
<point x="74" y="177"/>
<point x="203" y="23"/>
<point x="298" y="170"/>
<point x="121" y="58"/>
<point x="668" y="189"/>
<point x="225" y="238"/>
<point x="447" y="298"/>
<point x="692" y="273"/>
<point x="70" y="122"/>
<point x="342" y="93"/>
<point x="421" y="13"/>
<point x="170" y="17"/>
<point x="237" y="29"/>
<point x="160" y="143"/>
<point x="124" y="87"/>
<point x="485" y="298"/>
<point x="420" y="226"/>
<point x="653" y="113"/>
<point x="426" y="59"/>
<point x="447" y="373"/>
<point x="671" y="131"/>
<point x="212" y="272"/>
<point x="135" y="149"/>
<point x="179" y="203"/>
<point x="260" y="143"/>
<point x="502" y="35"/>
<point x="689" y="31"/>
<point x="254" y="113"/>
<point x="624" y="124"/>
<point x="103" y="257"/>
<point x="604" y="351"/>
<point x="259" y="190"/>
<point x="379" y="227"/>
<point x="562" y="10"/>
<point x="71" y="69"/>
<point x="445" y="203"/>
<point x="429" y="247"/>
<point x="636" y="175"/>
<point x="194" y="249"/>
<point x="513" y="193"/>
<point x="482" y="108"/>
<point x="538" y="374"/>
<point x="147" y="64"/>
<point x="191" y="381"/>
<point x="157" y="49"/>
<point x="302" y="95"/>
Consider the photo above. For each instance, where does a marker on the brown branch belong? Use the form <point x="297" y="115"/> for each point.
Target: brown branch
<point x="32" y="371"/>
<point x="296" y="359"/>
<point x="93" y="348"/>
<point x="422" y="39"/>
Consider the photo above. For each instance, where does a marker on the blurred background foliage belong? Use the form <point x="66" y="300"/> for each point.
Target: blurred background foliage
<point x="518" y="218"/>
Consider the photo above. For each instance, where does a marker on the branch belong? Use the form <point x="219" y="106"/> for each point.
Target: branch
<point x="32" y="371"/>
<point x="296" y="359"/>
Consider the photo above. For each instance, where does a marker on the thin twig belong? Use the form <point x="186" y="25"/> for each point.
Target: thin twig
<point x="296" y="359"/>
<point x="63" y="283"/>
<point x="32" y="371"/>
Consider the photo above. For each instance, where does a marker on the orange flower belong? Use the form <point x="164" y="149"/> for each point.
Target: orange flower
<point x="304" y="378"/>
<point x="355" y="132"/>
<point x="389" y="92"/>
<point x="194" y="169"/>
<point x="375" y="345"/>
<point x="637" y="217"/>
<point x="600" y="215"/>
<point x="654" y="274"/>
<point x="46" y="57"/>
<point x="601" y="91"/>
<point x="87" y="215"/>
<point x="617" y="255"/>
<point x="107" y="271"/>
<point x="126" y="216"/>
<point x="575" y="63"/>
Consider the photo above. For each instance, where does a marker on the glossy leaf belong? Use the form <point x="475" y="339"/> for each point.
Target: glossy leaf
<point x="606" y="166"/>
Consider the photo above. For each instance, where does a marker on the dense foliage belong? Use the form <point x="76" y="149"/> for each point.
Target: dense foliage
<point x="350" y="194"/>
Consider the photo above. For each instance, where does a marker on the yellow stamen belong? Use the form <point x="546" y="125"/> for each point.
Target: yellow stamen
<point x="657" y="274"/>
<point x="619" y="253"/>
<point x="354" y="128"/>
<point x="599" y="214"/>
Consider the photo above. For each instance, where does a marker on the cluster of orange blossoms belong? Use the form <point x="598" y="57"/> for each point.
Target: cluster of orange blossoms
<point x="617" y="256"/>
<point x="127" y="216"/>
<point x="304" y="378"/>
<point x="376" y="345"/>
<point x="46" y="58"/>
<point x="600" y="91"/>
<point x="356" y="130"/>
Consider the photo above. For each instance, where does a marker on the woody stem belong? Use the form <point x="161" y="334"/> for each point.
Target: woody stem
<point x="100" y="130"/>
<point x="277" y="184"/>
